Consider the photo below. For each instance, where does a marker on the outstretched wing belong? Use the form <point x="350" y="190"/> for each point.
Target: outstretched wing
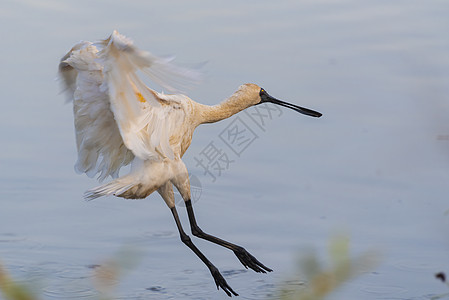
<point x="100" y="146"/>
<point x="116" y="116"/>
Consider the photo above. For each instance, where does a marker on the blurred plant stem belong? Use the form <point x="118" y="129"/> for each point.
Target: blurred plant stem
<point x="314" y="282"/>
<point x="12" y="290"/>
<point x="107" y="275"/>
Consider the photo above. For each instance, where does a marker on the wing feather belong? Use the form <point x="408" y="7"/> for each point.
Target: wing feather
<point x="142" y="119"/>
<point x="117" y="117"/>
<point x="99" y="144"/>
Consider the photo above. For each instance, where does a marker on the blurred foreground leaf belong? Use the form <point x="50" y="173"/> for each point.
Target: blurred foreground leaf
<point x="12" y="290"/>
<point x="107" y="275"/>
<point x="314" y="282"/>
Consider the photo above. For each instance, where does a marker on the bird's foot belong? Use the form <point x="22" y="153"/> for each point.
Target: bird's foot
<point x="249" y="261"/>
<point x="221" y="282"/>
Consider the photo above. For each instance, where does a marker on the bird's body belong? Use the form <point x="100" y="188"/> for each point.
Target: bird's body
<point x="120" y="121"/>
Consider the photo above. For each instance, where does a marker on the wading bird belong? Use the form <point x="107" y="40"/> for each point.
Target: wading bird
<point x="120" y="121"/>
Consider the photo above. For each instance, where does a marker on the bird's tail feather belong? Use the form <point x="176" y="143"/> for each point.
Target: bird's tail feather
<point x="116" y="187"/>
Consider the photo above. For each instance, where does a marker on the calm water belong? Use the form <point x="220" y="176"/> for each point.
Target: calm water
<point x="375" y="167"/>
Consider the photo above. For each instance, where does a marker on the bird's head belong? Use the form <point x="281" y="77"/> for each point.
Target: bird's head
<point x="255" y="95"/>
<point x="265" y="97"/>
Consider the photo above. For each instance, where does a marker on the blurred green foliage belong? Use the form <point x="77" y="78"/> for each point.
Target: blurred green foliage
<point x="12" y="290"/>
<point x="315" y="282"/>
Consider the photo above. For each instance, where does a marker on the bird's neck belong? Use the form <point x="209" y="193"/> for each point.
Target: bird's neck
<point x="229" y="107"/>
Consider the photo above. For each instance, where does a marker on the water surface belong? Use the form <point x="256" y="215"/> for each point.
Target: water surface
<point x="374" y="167"/>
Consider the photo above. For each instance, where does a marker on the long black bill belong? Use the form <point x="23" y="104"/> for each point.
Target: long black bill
<point x="265" y="97"/>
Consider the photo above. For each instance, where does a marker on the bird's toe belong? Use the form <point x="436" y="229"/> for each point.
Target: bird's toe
<point x="221" y="283"/>
<point x="249" y="261"/>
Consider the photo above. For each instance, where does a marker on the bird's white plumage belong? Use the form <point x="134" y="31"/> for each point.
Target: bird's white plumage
<point x="119" y="120"/>
<point x="99" y="143"/>
<point x="117" y="117"/>
<point x="140" y="117"/>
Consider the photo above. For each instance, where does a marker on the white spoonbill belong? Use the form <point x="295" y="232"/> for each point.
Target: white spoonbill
<point x="120" y="121"/>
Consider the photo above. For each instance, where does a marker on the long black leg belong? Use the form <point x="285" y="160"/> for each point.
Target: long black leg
<point x="219" y="280"/>
<point x="244" y="256"/>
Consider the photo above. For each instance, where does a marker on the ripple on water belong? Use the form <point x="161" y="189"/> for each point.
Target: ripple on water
<point x="416" y="265"/>
<point x="230" y="273"/>
<point x="74" y="272"/>
<point x="383" y="289"/>
<point x="7" y="237"/>
<point x="159" y="234"/>
<point x="74" y="289"/>
<point x="13" y="242"/>
<point x="58" y="270"/>
<point x="262" y="290"/>
<point x="157" y="289"/>
<point x="265" y="289"/>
